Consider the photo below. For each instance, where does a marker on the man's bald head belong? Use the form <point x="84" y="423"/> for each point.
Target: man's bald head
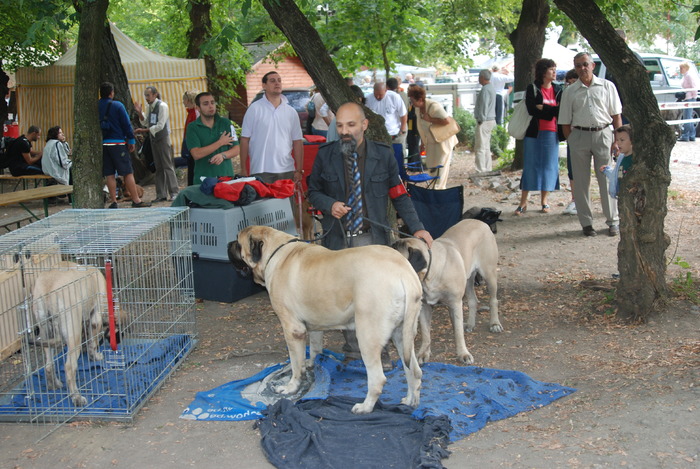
<point x="379" y="90"/>
<point x="351" y="122"/>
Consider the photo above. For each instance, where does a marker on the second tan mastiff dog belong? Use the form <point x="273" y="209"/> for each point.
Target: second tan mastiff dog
<point x="447" y="272"/>
<point x="67" y="300"/>
<point x="372" y="289"/>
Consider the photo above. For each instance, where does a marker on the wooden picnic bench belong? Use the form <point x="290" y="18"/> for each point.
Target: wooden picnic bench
<point x="36" y="179"/>
<point x="38" y="193"/>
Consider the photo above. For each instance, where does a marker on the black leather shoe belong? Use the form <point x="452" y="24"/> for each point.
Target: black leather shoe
<point x="589" y="231"/>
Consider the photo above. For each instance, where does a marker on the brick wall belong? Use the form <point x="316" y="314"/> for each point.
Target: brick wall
<point x="293" y="75"/>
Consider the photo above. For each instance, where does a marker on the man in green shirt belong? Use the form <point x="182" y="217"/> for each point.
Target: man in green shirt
<point x="212" y="140"/>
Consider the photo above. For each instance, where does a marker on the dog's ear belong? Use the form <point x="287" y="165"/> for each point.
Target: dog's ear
<point x="256" y="246"/>
<point x="417" y="259"/>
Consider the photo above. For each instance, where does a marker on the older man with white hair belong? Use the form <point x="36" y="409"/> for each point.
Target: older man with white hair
<point x="588" y="108"/>
<point x="485" y="115"/>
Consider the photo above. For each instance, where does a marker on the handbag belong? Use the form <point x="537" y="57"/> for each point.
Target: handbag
<point x="442" y="132"/>
<point x="519" y="121"/>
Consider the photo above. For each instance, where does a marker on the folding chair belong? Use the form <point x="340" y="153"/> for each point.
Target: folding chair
<point x="438" y="209"/>
<point x="421" y="178"/>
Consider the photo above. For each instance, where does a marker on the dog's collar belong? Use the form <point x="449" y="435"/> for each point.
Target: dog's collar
<point x="293" y="240"/>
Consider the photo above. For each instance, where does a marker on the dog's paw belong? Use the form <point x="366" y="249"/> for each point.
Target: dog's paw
<point x="287" y="389"/>
<point x="496" y="327"/>
<point x="78" y="400"/>
<point x="54" y="383"/>
<point x="411" y="402"/>
<point x="469" y="328"/>
<point x="423" y="357"/>
<point x="97" y="356"/>
<point x="362" y="408"/>
<point x="467" y="359"/>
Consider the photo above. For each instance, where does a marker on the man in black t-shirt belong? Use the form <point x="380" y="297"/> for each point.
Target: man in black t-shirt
<point x="22" y="159"/>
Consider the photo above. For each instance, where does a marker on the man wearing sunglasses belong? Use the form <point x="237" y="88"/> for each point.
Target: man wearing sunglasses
<point x="590" y="109"/>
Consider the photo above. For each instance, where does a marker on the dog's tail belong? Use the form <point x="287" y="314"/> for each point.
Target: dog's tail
<point x="412" y="307"/>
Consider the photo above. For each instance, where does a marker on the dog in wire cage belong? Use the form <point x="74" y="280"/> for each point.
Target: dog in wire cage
<point x="69" y="303"/>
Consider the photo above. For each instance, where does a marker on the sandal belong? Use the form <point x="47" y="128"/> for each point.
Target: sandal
<point x="546" y="208"/>
<point x="519" y="211"/>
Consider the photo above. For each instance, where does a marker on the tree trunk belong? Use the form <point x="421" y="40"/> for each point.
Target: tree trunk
<point x="200" y="33"/>
<point x="313" y="54"/>
<point x="643" y="192"/>
<point x="528" y="41"/>
<point x="87" y="156"/>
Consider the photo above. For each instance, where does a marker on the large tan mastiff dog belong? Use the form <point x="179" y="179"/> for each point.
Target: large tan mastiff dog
<point x="67" y="299"/>
<point x="447" y="272"/>
<point x="371" y="289"/>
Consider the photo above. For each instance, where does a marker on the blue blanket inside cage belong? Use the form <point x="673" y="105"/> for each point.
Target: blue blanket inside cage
<point x="470" y="396"/>
<point x="113" y="387"/>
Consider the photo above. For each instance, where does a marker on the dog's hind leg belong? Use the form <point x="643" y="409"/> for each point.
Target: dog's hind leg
<point x="71" y="330"/>
<point x="46" y="332"/>
<point x="375" y="379"/>
<point x="470" y="296"/>
<point x="94" y="331"/>
<point x="413" y="373"/>
<point x="490" y="276"/>
<point x="315" y="347"/>
<point x="52" y="381"/>
<point x="426" y="317"/>
<point x="455" y="308"/>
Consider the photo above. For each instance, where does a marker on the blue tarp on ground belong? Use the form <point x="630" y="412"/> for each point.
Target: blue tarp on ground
<point x="112" y="387"/>
<point x="470" y="396"/>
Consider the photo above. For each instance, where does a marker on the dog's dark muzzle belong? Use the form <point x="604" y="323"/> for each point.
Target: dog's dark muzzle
<point x="234" y="255"/>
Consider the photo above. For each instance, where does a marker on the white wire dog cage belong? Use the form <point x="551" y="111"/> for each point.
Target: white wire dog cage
<point x="134" y="267"/>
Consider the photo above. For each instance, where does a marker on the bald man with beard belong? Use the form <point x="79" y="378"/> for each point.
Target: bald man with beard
<point x="329" y="192"/>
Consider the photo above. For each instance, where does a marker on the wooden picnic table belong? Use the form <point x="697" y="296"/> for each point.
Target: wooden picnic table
<point x="28" y="195"/>
<point x="36" y="179"/>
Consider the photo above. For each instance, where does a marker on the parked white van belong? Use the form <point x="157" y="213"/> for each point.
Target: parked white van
<point x="664" y="76"/>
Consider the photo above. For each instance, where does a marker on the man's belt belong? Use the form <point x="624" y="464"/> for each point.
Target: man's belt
<point x="359" y="232"/>
<point x="591" y="129"/>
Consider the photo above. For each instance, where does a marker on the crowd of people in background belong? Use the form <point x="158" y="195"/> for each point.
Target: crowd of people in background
<point x="270" y="147"/>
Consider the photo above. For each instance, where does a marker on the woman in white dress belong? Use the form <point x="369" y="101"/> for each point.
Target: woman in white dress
<point x="429" y="112"/>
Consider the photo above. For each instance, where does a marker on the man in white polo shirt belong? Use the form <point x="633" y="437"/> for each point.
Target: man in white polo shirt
<point x="391" y="107"/>
<point x="588" y="107"/>
<point x="271" y="140"/>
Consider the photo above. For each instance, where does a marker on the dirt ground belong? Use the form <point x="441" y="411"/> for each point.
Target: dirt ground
<point x="638" y="385"/>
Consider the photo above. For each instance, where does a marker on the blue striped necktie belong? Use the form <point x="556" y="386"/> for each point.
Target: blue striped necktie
<point x="354" y="220"/>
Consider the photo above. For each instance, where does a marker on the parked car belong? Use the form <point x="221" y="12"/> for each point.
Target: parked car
<point x="298" y="98"/>
<point x="664" y="76"/>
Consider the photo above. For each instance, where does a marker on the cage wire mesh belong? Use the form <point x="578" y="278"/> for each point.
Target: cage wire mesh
<point x="54" y="273"/>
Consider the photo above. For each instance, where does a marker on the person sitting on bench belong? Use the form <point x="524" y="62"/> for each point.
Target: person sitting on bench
<point x="22" y="159"/>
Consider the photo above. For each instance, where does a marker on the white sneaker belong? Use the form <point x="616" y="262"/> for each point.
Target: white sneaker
<point x="570" y="209"/>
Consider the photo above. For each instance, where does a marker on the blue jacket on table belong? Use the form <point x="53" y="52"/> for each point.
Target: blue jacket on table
<point x="119" y="124"/>
<point x="380" y="179"/>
